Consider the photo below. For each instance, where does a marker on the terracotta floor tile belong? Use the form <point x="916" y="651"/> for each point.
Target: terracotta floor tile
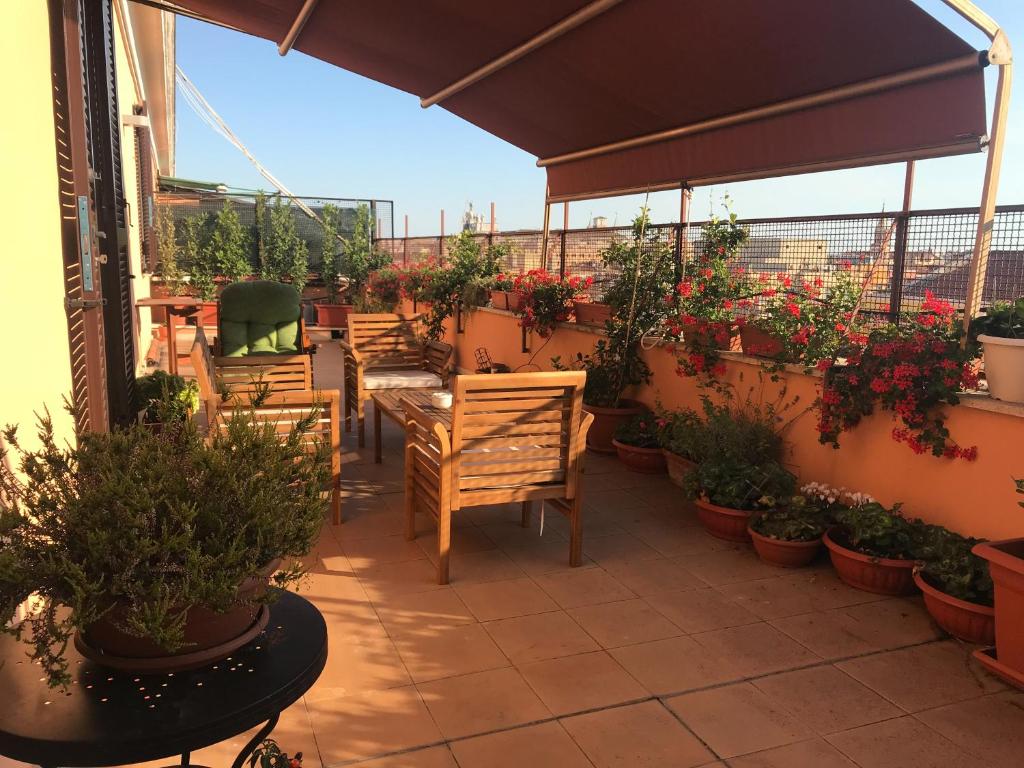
<point x="358" y="664"/>
<point x="700" y="610"/>
<point x="804" y="754"/>
<point x="484" y="566"/>
<point x="492" y="513"/>
<point x="464" y="541"/>
<point x="924" y="676"/>
<point x="901" y="743"/>
<point x="727" y="566"/>
<point x="430" y="757"/>
<point x="827" y="700"/>
<point x="430" y="654"/>
<point x="624" y="548"/>
<point x="509" y="533"/>
<point x="545" y="745"/>
<point x="895" y="622"/>
<point x="644" y="735"/>
<point x="679" y="540"/>
<point x="675" y="665"/>
<point x="422" y="611"/>
<point x="770" y="598"/>
<point x="826" y="589"/>
<point x="589" y="586"/>
<point x="614" y="500"/>
<point x="371" y="724"/>
<point x="990" y="727"/>
<point x="830" y="634"/>
<point x="505" y="599"/>
<point x="737" y="719"/>
<point x="411" y="576"/>
<point x="482" y="702"/>
<point x="757" y="649"/>
<point x="380" y="550"/>
<point x="541" y="636"/>
<point x="581" y="682"/>
<point x="547" y="557"/>
<point x="653" y="577"/>
<point x="368" y="523"/>
<point x="624" y="623"/>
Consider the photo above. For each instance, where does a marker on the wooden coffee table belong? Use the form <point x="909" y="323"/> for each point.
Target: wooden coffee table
<point x="389" y="403"/>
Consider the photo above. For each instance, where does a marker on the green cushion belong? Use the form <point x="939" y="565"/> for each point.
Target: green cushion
<point x="259" y="318"/>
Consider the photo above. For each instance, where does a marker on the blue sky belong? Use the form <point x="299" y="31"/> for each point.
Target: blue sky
<point x="325" y="131"/>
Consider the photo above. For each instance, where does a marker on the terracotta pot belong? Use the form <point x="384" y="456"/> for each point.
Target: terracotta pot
<point x="880" y="575"/>
<point x="606" y="421"/>
<point x="1004" y="367"/>
<point x="209" y="636"/>
<point x="705" y="337"/>
<point x="678" y="467"/>
<point x="966" y="621"/>
<point x="207" y="315"/>
<point x="784" y="554"/>
<point x="1006" y="564"/>
<point x="592" y="313"/>
<point x="499" y="299"/>
<point x="754" y="341"/>
<point x="649" y="461"/>
<point x="333" y="315"/>
<point x="723" y="522"/>
<point x="515" y="301"/>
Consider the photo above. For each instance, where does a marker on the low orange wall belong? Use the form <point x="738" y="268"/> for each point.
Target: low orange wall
<point x="974" y="498"/>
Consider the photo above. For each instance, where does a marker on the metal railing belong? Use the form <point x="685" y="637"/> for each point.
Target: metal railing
<point x="899" y="255"/>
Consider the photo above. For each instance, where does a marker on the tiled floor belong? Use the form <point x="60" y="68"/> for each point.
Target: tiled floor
<point x="667" y="648"/>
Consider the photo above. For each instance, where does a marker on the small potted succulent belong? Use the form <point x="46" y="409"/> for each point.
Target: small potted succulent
<point x="956" y="585"/>
<point x="873" y="548"/>
<point x="789" y="536"/>
<point x="681" y="441"/>
<point x="154" y="552"/>
<point x="637" y="444"/>
<point x="1001" y="333"/>
<point x="500" y="289"/>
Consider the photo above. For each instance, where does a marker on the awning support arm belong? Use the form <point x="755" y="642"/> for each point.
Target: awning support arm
<point x="296" y="29"/>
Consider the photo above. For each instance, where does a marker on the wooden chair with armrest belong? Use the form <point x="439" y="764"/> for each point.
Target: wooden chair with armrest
<point x="512" y="438"/>
<point x="385" y="351"/>
<point x="283" y="407"/>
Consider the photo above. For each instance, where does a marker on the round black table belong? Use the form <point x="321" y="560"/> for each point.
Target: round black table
<point x="108" y="718"/>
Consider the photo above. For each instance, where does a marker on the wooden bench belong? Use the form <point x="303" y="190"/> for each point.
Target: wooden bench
<point x="283" y="373"/>
<point x="385" y="351"/>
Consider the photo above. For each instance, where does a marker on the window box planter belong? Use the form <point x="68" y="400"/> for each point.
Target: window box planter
<point x="724" y="522"/>
<point x="1006" y="564"/>
<point x="592" y="313"/>
<point x="970" y="622"/>
<point x="332" y="315"/>
<point x="606" y="421"/>
<point x="879" y="575"/>
<point x="1004" y="367"/>
<point x="515" y="301"/>
<point x="648" y="461"/>
<point x="207" y="316"/>
<point x="499" y="299"/>
<point x="759" y="343"/>
<point x="782" y="553"/>
<point x="678" y="467"/>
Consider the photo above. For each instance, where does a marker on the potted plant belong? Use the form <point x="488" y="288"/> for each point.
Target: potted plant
<point x="154" y="552"/>
<point x="163" y="398"/>
<point x="873" y="548"/>
<point x="680" y="439"/>
<point x="201" y="263"/>
<point x="589" y="312"/>
<point x="1001" y="333"/>
<point x="637" y="445"/>
<point x="331" y="313"/>
<point x="956" y="585"/>
<point x="546" y="299"/>
<point x="646" y="268"/>
<point x="463" y="283"/>
<point x="500" y="290"/>
<point x="790" y="536"/>
<point x="1006" y="566"/>
<point x="383" y="291"/>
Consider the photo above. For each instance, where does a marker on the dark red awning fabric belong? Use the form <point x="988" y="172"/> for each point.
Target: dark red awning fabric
<point x="645" y="66"/>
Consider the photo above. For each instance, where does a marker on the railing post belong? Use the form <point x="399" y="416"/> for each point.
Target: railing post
<point x="899" y="266"/>
<point x="561" y="257"/>
<point x="679" y="252"/>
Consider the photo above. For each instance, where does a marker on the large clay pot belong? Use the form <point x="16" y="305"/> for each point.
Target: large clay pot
<point x="499" y="299"/>
<point x="969" y="622"/>
<point x="678" y="467"/>
<point x="207" y="316"/>
<point x="754" y="341"/>
<point x="209" y="636"/>
<point x="332" y="315"/>
<point x="606" y="421"/>
<point x="1004" y="367"/>
<point x="515" y="301"/>
<point x="1006" y="564"/>
<point x="724" y="522"/>
<point x="880" y="575"/>
<point x="782" y="553"/>
<point x="592" y="313"/>
<point x="649" y="461"/>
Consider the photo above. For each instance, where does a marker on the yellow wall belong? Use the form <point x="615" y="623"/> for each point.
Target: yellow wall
<point x="36" y="368"/>
<point x="974" y="498"/>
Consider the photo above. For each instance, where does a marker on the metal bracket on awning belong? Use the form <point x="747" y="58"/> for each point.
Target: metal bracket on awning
<point x="999" y="53"/>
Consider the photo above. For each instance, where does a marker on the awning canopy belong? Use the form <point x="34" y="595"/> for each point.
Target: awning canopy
<point x="617" y="96"/>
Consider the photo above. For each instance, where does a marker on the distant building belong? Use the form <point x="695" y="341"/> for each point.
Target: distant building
<point x="476" y="222"/>
<point x="598" y="222"/>
<point x="1004" y="278"/>
<point x="795" y="256"/>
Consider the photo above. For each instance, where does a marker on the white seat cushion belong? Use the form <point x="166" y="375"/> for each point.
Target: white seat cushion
<point x="400" y="379"/>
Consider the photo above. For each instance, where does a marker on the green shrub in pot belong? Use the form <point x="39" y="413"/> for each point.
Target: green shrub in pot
<point x="1001" y="332"/>
<point x="800" y="519"/>
<point x="950" y="565"/>
<point x="641" y="431"/>
<point x="869" y="528"/>
<point x="144" y="527"/>
<point x="165" y="397"/>
<point x="680" y="433"/>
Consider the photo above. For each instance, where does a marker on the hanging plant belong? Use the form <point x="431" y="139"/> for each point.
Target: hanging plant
<point x="913" y="369"/>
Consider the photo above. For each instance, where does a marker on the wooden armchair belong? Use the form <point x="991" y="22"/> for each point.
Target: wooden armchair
<point x="283" y="407"/>
<point x="283" y="373"/>
<point x="507" y="438"/>
<point x="384" y="351"/>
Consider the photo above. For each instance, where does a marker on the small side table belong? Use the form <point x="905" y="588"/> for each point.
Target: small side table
<point x="176" y="306"/>
<point x="389" y="403"/>
<point x="109" y="718"/>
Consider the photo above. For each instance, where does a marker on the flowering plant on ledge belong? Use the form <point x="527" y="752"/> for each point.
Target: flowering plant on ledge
<point x="547" y="299"/>
<point x="913" y="370"/>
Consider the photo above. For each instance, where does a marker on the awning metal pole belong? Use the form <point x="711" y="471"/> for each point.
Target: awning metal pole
<point x="547" y="228"/>
<point x="296" y="28"/>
